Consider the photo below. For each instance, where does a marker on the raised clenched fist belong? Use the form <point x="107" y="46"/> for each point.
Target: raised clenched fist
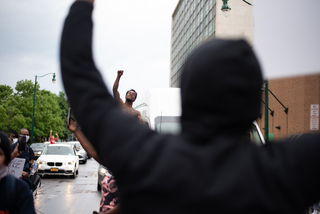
<point x="120" y="73"/>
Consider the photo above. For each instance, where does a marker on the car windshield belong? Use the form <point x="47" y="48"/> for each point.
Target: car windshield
<point x="168" y="124"/>
<point x="58" y="150"/>
<point x="38" y="145"/>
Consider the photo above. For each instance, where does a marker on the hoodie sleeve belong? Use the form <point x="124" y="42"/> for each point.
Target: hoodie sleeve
<point x="288" y="172"/>
<point x="113" y="134"/>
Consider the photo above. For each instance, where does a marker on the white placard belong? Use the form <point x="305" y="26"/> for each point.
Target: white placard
<point x="314" y="123"/>
<point x="314" y="117"/>
<point x="16" y="167"/>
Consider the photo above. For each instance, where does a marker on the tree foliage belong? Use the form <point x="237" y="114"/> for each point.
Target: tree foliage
<point x="5" y="92"/>
<point x="16" y="110"/>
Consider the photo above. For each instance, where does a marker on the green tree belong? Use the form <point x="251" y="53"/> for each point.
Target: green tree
<point x="3" y="118"/>
<point x="5" y="92"/>
<point x="64" y="106"/>
<point x="17" y="122"/>
<point x="47" y="115"/>
<point x="16" y="110"/>
<point x="25" y="88"/>
<point x="12" y="108"/>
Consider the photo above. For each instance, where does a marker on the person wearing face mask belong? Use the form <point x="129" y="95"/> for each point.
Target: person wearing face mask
<point x="20" y="149"/>
<point x="15" y="196"/>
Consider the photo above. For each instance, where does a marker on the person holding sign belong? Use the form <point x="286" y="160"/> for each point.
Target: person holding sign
<point x="22" y="150"/>
<point x="15" y="194"/>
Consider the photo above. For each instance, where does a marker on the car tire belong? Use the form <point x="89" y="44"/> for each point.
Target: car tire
<point x="99" y="187"/>
<point x="74" y="173"/>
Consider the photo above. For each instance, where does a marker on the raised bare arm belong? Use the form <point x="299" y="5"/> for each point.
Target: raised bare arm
<point x="86" y="144"/>
<point x="116" y="86"/>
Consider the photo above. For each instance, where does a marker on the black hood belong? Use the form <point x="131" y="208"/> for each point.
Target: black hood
<point x="220" y="89"/>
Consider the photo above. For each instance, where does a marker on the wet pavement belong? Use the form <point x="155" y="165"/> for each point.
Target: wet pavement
<point x="59" y="194"/>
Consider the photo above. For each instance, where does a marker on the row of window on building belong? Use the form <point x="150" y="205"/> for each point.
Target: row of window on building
<point x="193" y="22"/>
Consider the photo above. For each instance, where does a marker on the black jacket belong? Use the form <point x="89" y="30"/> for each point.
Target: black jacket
<point x="208" y="168"/>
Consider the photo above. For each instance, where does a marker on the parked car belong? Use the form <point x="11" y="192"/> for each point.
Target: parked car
<point x="83" y="156"/>
<point x="37" y="149"/>
<point x="102" y="171"/>
<point x="59" y="159"/>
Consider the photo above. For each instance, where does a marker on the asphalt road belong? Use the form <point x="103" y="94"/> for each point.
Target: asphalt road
<point x="59" y="194"/>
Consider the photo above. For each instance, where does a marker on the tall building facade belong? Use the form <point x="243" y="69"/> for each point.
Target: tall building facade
<point x="196" y="21"/>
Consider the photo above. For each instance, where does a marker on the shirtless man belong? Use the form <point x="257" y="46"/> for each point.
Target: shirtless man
<point x="131" y="96"/>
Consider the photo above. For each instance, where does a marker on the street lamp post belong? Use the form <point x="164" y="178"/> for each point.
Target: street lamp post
<point x="34" y="99"/>
<point x="226" y="8"/>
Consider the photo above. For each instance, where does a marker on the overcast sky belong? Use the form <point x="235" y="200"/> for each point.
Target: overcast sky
<point x="134" y="35"/>
<point x="130" y="35"/>
<point x="287" y="37"/>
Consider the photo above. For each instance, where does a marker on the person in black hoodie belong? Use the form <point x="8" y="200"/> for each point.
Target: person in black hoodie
<point x="208" y="168"/>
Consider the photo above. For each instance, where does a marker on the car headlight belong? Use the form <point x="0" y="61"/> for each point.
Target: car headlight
<point x="68" y="163"/>
<point x="39" y="153"/>
<point x="42" y="162"/>
<point x="102" y="171"/>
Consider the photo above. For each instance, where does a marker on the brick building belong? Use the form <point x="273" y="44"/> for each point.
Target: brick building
<point x="297" y="94"/>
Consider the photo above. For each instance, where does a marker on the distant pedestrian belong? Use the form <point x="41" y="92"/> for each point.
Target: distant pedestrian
<point x="15" y="195"/>
<point x="52" y="138"/>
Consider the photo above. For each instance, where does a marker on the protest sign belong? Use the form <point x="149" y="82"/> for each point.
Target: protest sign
<point x="16" y="167"/>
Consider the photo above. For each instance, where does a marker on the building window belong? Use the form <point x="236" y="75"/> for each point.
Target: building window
<point x="210" y="28"/>
<point x="207" y="7"/>
<point x="210" y="15"/>
<point x="213" y="25"/>
<point x="214" y="11"/>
